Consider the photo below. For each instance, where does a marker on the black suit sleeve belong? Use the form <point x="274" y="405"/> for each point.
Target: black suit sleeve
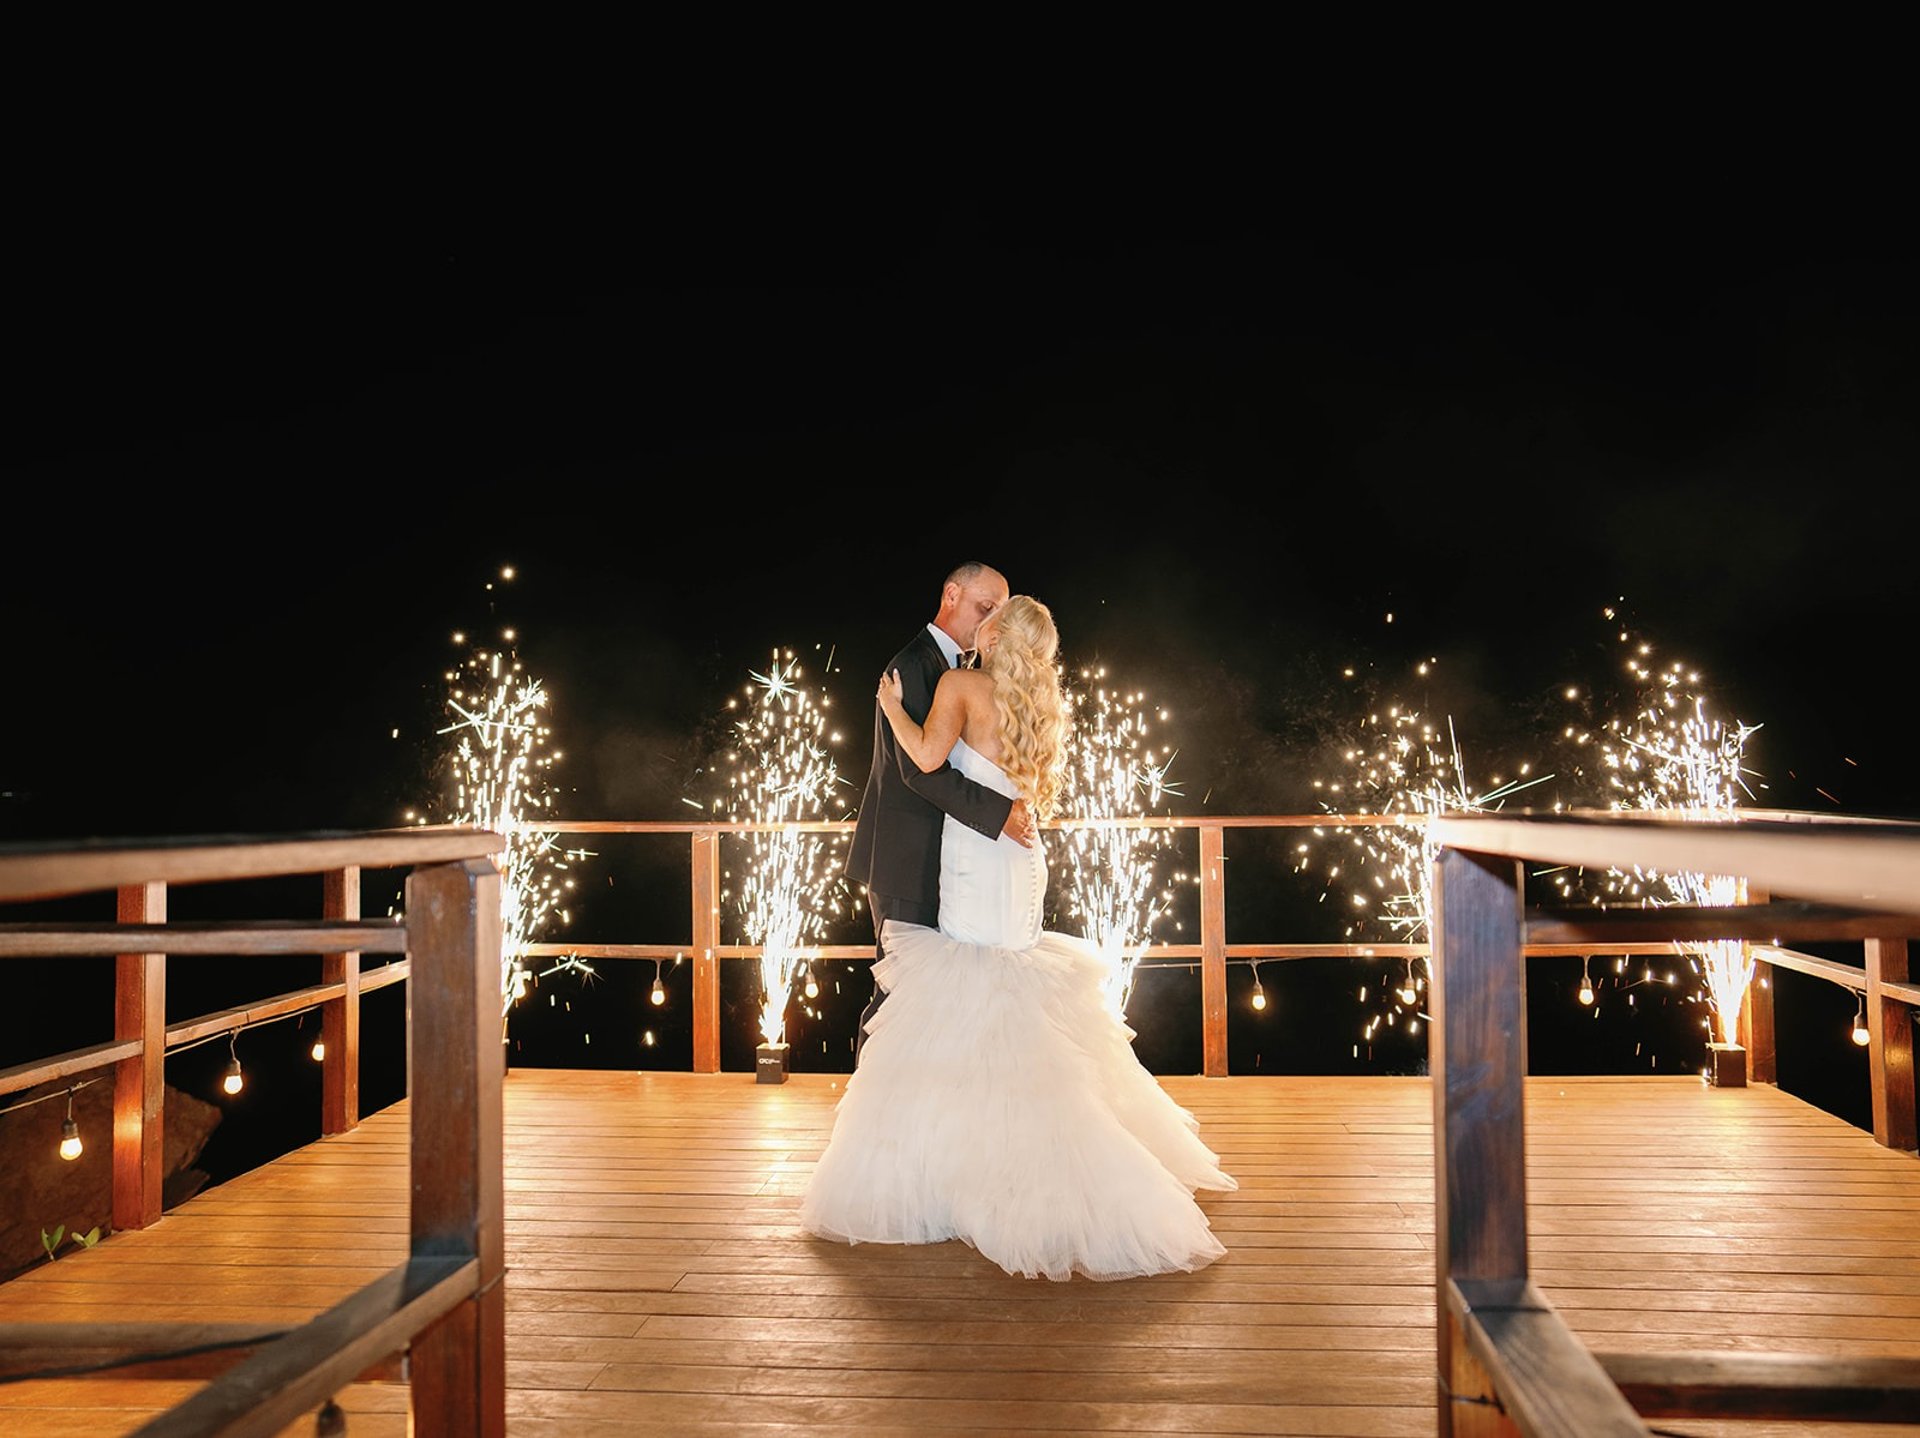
<point x="946" y="788"/>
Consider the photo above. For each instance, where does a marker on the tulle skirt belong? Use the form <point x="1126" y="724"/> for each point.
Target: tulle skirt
<point x="999" y="1101"/>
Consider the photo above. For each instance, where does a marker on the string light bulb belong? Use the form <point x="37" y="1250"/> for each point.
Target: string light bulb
<point x="234" y="1080"/>
<point x="1586" y="981"/>
<point x="319" y="1051"/>
<point x="1408" y="993"/>
<point x="657" y="996"/>
<point x="1862" y="1035"/>
<point x="813" y="985"/>
<point x="70" y="1145"/>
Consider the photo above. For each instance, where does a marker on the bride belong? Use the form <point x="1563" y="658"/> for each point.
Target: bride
<point x="998" y="1098"/>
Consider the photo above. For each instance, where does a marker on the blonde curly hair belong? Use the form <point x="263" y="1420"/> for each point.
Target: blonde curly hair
<point x="1028" y="700"/>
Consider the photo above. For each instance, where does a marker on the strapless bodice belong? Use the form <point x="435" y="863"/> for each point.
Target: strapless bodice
<point x="992" y="891"/>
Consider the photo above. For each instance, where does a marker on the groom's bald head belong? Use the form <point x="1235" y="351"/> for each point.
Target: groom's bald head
<point x="971" y="592"/>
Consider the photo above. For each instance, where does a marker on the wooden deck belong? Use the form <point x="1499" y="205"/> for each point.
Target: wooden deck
<point x="657" y="1284"/>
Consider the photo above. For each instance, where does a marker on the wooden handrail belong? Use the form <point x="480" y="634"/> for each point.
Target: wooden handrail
<point x="1499" y="1343"/>
<point x="1521" y="1359"/>
<point x="145" y="1350"/>
<point x="66" y="1065"/>
<point x="32" y="871"/>
<point x="1784" y="1387"/>
<point x="443" y="1308"/>
<point x="1549" y="931"/>
<point x="218" y="936"/>
<point x="277" y="1383"/>
<point x="1859" y="865"/>
<point x="1500" y="1347"/>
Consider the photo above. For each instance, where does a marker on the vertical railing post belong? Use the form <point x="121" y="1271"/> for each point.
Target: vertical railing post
<point x="1478" y="1058"/>
<point x="1889" y="1045"/>
<point x="457" y="1365"/>
<point x="340" y="1018"/>
<point x="1756" y="1026"/>
<point x="706" y="939"/>
<point x="1756" y="1013"/>
<point x="1213" y="951"/>
<point x="140" y="1082"/>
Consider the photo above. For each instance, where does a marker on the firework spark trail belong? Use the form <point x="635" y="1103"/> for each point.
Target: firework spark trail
<point x="1673" y="755"/>
<point x="781" y="773"/>
<point x="1399" y="764"/>
<point x="1112" y="773"/>
<point x="500" y="763"/>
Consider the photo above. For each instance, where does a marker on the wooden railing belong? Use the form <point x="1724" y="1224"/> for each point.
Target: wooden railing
<point x="442" y="1308"/>
<point x="442" y="1311"/>
<point x="1551" y="933"/>
<point x="1507" y="1363"/>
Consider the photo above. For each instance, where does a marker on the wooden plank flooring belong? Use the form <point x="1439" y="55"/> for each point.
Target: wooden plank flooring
<point x="657" y="1284"/>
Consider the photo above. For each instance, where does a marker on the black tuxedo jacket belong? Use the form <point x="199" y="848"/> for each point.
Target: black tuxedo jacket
<point x="896" y="839"/>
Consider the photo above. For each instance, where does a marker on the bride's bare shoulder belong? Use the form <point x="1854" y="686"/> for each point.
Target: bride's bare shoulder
<point x="981" y="726"/>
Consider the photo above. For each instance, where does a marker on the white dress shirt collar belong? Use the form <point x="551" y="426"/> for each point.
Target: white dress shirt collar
<point x="946" y="642"/>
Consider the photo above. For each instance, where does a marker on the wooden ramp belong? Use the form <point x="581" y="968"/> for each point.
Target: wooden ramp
<point x="657" y="1284"/>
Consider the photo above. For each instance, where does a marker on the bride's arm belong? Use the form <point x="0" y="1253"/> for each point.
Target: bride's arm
<point x="926" y="744"/>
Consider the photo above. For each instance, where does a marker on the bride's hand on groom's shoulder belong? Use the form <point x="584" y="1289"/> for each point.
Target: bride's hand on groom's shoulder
<point x="890" y="690"/>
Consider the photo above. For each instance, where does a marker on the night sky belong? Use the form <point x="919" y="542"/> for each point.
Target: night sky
<point x="265" y="459"/>
<point x="261" y="473"/>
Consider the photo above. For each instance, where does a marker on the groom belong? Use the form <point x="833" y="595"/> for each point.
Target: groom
<point x="896" y="840"/>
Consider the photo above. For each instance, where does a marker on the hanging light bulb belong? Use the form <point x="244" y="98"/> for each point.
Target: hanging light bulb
<point x="1862" y="1035"/>
<point x="1259" y="999"/>
<point x="319" y="1051"/>
<point x="70" y="1144"/>
<point x="813" y="984"/>
<point x="1586" y="981"/>
<point x="234" y="1080"/>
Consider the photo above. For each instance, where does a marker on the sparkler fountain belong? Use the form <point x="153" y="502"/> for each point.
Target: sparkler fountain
<point x="1113" y="774"/>
<point x="500" y="761"/>
<point x="1399" y="763"/>
<point x="1672" y="754"/>
<point x="781" y="774"/>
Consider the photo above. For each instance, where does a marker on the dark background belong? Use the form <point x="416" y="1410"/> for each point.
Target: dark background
<point x="268" y="450"/>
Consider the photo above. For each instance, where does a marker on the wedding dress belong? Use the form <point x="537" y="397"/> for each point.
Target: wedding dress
<point x="998" y="1098"/>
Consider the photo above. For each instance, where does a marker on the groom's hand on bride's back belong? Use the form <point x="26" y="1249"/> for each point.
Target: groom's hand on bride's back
<point x="1020" y="826"/>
